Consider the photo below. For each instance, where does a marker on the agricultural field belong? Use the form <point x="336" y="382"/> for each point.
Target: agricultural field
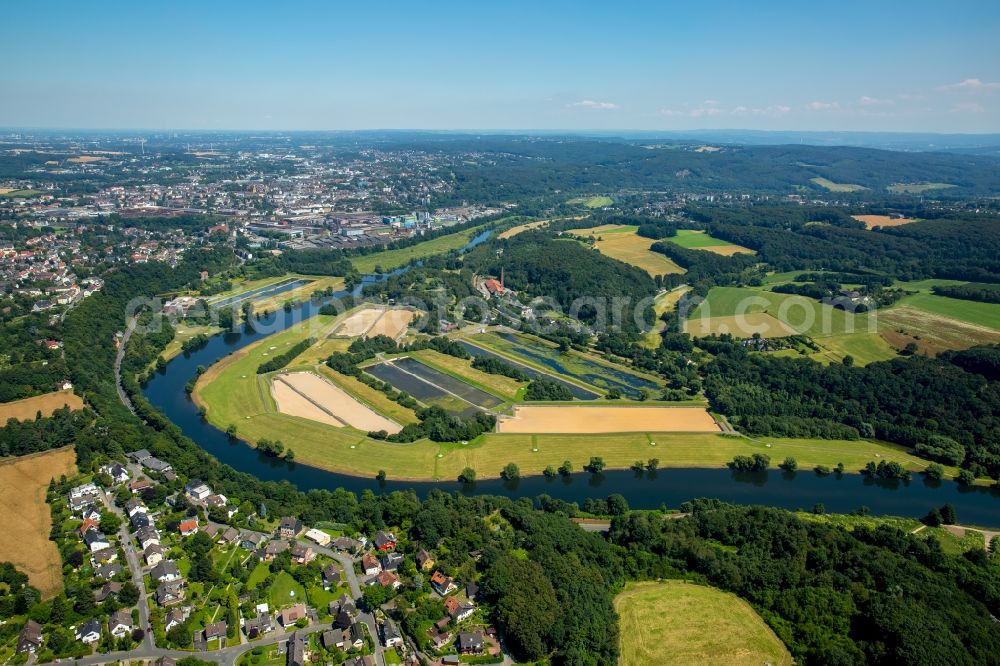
<point x="665" y="301"/>
<point x="432" y="386"/>
<point x="917" y="188"/>
<point x="592" y="202"/>
<point x="310" y="396"/>
<point x="18" y="194"/>
<point x="86" y="159"/>
<point x="676" y="622"/>
<point x="600" y="419"/>
<point x="798" y="313"/>
<point x="371" y="321"/>
<point x="837" y="187"/>
<point x="971" y="312"/>
<point x="931" y="332"/>
<point x="583" y="368"/>
<point x="700" y="240"/>
<point x="527" y="226"/>
<point x="872" y="221"/>
<point x="864" y="348"/>
<point x="28" y="408"/>
<point x="23" y="484"/>
<point x="388" y="260"/>
<point x="622" y="243"/>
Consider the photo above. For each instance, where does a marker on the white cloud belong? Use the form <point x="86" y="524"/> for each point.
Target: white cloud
<point x="974" y="85"/>
<point x="822" y="106"/>
<point x="591" y="104"/>
<point x="874" y="101"/>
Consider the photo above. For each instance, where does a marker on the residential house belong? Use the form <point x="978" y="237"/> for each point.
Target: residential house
<point x="390" y="634"/>
<point x="88" y="524"/>
<point x="291" y="615"/>
<point x="388" y="579"/>
<point x="251" y="540"/>
<point x="424" y="560"/>
<point x="385" y="540"/>
<point x="289" y="527"/>
<point x="363" y="660"/>
<point x="105" y="556"/>
<point x="117" y="472"/>
<point x="140" y="485"/>
<point x="176" y="617"/>
<point x="188" y="527"/>
<point x="438" y="638"/>
<point x="215" y="630"/>
<point x="153" y="554"/>
<point x="157" y="465"/>
<point x="96" y="541"/>
<point x="197" y="490"/>
<point x="120" y="623"/>
<point x="369" y="565"/>
<point x="470" y="642"/>
<point x="108" y="571"/>
<point x="392" y="561"/>
<point x="259" y="625"/>
<point x="273" y="548"/>
<point x="229" y="535"/>
<point x="471" y="590"/>
<point x="147" y="536"/>
<point x="170" y="592"/>
<point x="302" y="554"/>
<point x="459" y="610"/>
<point x="89" y="632"/>
<point x="140" y="520"/>
<point x="134" y="505"/>
<point x="109" y="589"/>
<point x="165" y="661"/>
<point x="443" y="585"/>
<point x="165" y="572"/>
<point x="357" y="635"/>
<point x="342" y="620"/>
<point x="296" y="655"/>
<point x="347" y="544"/>
<point x="140" y="456"/>
<point x="332" y="638"/>
<point x="331" y="576"/>
<point x="30" y="638"/>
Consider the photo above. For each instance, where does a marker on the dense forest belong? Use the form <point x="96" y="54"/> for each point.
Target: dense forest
<point x="564" y="271"/>
<point x="938" y="407"/>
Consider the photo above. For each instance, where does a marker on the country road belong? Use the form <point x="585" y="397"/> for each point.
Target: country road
<point x="129" y="329"/>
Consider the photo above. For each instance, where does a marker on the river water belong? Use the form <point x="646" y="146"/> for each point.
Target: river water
<point x="801" y="490"/>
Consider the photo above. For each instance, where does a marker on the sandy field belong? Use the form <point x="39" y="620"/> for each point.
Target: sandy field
<point x="312" y="397"/>
<point x="725" y="250"/>
<point x="872" y="221"/>
<point x="741" y="327"/>
<point x="359" y="322"/>
<point x="84" y="159"/>
<point x="23" y="482"/>
<point x="393" y="323"/>
<point x="27" y="409"/>
<point x="572" y="419"/>
<point x="513" y="231"/>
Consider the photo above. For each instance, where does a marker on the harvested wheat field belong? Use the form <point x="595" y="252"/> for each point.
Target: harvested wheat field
<point x="540" y="419"/>
<point x="358" y="323"/>
<point x="86" y="159"/>
<point x="872" y="221"/>
<point x="674" y="622"/>
<point x="310" y="396"/>
<point x="740" y="326"/>
<point x="392" y="323"/>
<point x="23" y="483"/>
<point x="27" y="409"/>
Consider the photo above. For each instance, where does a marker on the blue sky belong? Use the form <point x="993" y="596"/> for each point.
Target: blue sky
<point x="876" y="65"/>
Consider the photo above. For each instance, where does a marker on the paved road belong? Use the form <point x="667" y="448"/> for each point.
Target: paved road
<point x="129" y="328"/>
<point x="135" y="567"/>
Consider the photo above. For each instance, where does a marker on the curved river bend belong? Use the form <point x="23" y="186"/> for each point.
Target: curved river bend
<point x="801" y="490"/>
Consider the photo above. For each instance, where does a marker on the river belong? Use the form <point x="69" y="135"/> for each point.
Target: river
<point x="669" y="486"/>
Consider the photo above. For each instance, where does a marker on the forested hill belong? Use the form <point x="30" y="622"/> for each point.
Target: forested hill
<point x="561" y="269"/>
<point x="525" y="167"/>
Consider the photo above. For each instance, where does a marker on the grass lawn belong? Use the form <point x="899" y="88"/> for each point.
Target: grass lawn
<point x="700" y="240"/>
<point x="19" y="194"/>
<point x="663" y="303"/>
<point x="272" y="303"/>
<point x="258" y="575"/>
<point x="392" y="657"/>
<point x="622" y="243"/>
<point x="286" y="591"/>
<point x="803" y="315"/>
<point x="513" y="231"/>
<point x="837" y="187"/>
<point x="865" y="348"/>
<point x="592" y="202"/>
<point x="917" y="188"/>
<point x="674" y="622"/>
<point x="242" y="286"/>
<point x="183" y="333"/>
<point x="953" y="544"/>
<point x="270" y="656"/>
<point x="390" y="259"/>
